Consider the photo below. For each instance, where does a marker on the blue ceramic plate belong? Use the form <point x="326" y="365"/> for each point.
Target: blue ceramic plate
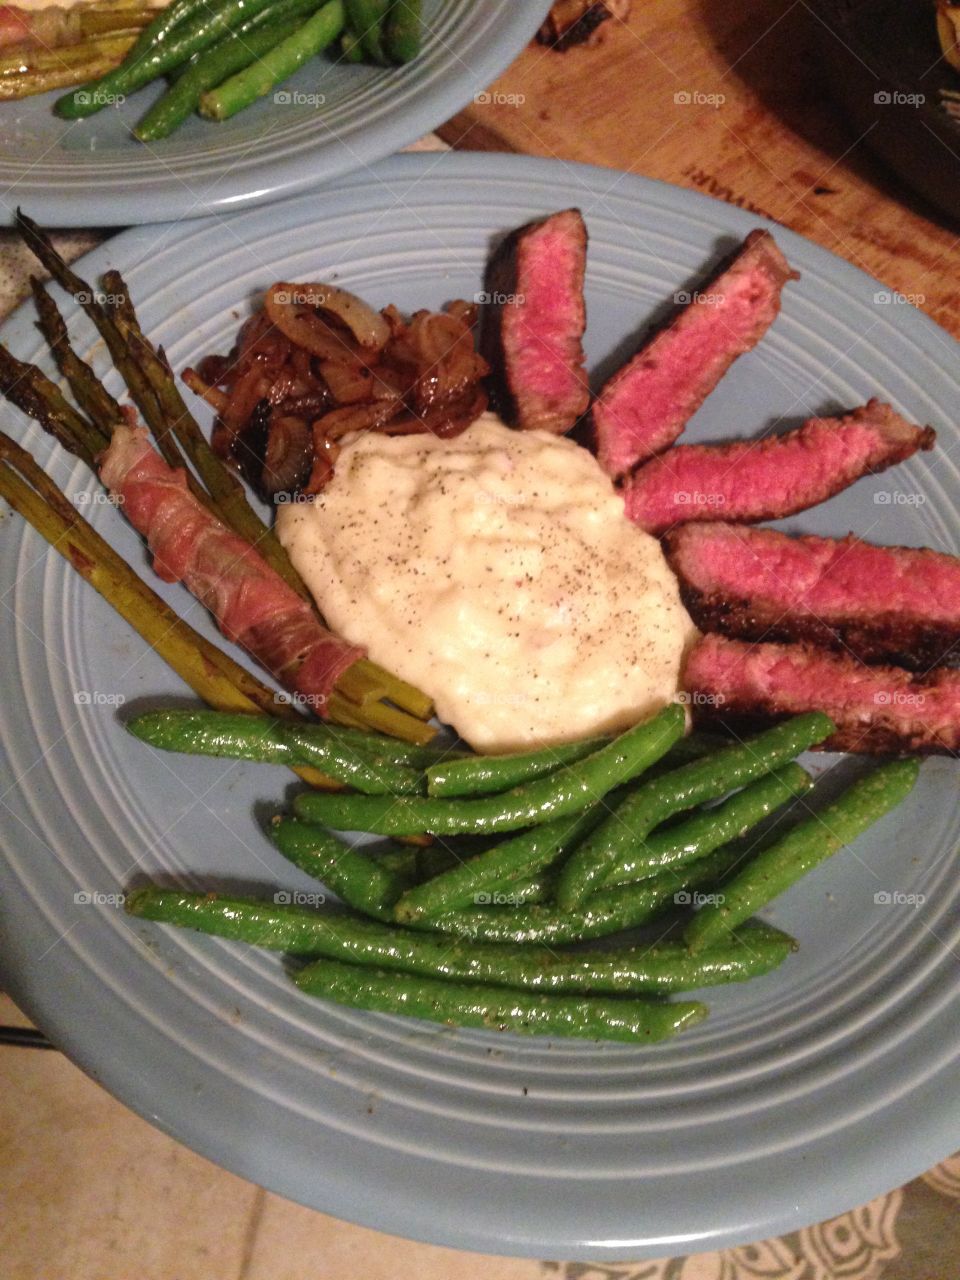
<point x="804" y="1093"/>
<point x="329" y="119"/>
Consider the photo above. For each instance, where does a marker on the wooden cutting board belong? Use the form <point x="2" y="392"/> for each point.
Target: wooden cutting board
<point x="726" y="97"/>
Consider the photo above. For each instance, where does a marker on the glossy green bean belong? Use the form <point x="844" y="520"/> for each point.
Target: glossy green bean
<point x="804" y="847"/>
<point x="568" y="790"/>
<point x="484" y="775"/>
<point x="660" y="798"/>
<point x="708" y="829"/>
<point x="465" y="1004"/>
<point x="609" y="911"/>
<point x="360" y="881"/>
<point x="239" y="736"/>
<point x="658" y="968"/>
<point x="496" y="869"/>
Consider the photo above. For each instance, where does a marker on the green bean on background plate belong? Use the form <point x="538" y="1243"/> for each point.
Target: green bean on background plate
<point x="242" y="736"/>
<point x="708" y="829"/>
<point x="365" y="19"/>
<point x="467" y="1004"/>
<point x="231" y="54"/>
<point x="802" y="848"/>
<point x="403" y="30"/>
<point x="654" y="801"/>
<point x="200" y="28"/>
<point x="658" y="968"/>
<point x="317" y="33"/>
<point x="567" y="790"/>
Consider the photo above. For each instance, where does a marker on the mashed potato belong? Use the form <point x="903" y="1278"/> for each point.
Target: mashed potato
<point x="498" y="573"/>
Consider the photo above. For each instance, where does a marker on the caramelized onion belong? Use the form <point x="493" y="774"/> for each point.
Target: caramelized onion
<point x="326" y="321"/>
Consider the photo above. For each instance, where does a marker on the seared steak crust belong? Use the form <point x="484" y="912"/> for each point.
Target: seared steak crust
<point x="879" y="710"/>
<point x="881" y="604"/>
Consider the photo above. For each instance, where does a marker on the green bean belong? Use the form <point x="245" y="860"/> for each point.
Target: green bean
<point x="214" y="65"/>
<point x="276" y="65"/>
<point x="399" y="861"/>
<point x="365" y="19"/>
<point x="196" y="32"/>
<point x="804" y="847"/>
<point x="403" y="32"/>
<point x="660" y="968"/>
<point x="238" y="736"/>
<point x="497" y="868"/>
<point x="351" y="50"/>
<point x="708" y="829"/>
<point x="360" y="881"/>
<point x="606" y="912"/>
<point x="481" y="775"/>
<point x="380" y="747"/>
<point x="568" y="790"/>
<point x="659" y="798"/>
<point x="465" y="1004"/>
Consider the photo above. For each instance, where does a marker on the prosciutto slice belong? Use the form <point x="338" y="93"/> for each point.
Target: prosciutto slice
<point x="252" y="604"/>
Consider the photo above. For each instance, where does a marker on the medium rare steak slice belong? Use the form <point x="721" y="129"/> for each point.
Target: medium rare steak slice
<point x="877" y="710"/>
<point x="753" y="480"/>
<point x="533" y="322"/>
<point x="893" y="604"/>
<point x="646" y="405"/>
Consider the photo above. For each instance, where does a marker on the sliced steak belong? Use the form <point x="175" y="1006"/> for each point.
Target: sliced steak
<point x="646" y="405"/>
<point x="753" y="480"/>
<point x="532" y="324"/>
<point x="877" y="710"/>
<point x="882" y="604"/>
